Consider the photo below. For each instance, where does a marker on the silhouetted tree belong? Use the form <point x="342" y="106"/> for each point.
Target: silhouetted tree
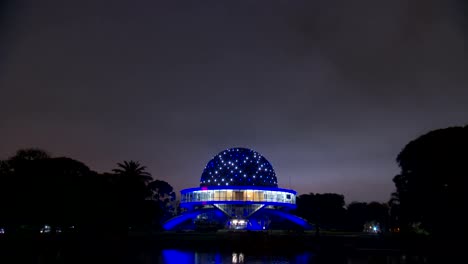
<point x="29" y="154"/>
<point x="133" y="171"/>
<point x="360" y="213"/>
<point x="324" y="210"/>
<point x="20" y="188"/>
<point x="431" y="187"/>
<point x="357" y="215"/>
<point x="133" y="180"/>
<point x="4" y="168"/>
<point x="164" y="196"/>
<point x="378" y="212"/>
<point x="394" y="212"/>
<point x="36" y="189"/>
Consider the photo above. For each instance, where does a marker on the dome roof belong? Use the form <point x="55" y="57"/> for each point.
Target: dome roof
<point x="238" y="167"/>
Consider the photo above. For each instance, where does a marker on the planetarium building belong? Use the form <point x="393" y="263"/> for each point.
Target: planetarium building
<point x="238" y="190"/>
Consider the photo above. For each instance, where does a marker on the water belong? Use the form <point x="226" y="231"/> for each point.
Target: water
<point x="95" y="251"/>
<point x="176" y="256"/>
<point x="173" y="256"/>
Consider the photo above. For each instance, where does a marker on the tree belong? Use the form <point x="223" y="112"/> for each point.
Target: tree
<point x="431" y="187"/>
<point x="133" y="170"/>
<point x="394" y="212"/>
<point x="164" y="196"/>
<point x="357" y="216"/>
<point x="65" y="188"/>
<point x="20" y="186"/>
<point x="29" y="154"/>
<point x="4" y="168"/>
<point x="38" y="189"/>
<point x="360" y="213"/>
<point x="133" y="180"/>
<point x="161" y="190"/>
<point x="379" y="213"/>
<point x="325" y="210"/>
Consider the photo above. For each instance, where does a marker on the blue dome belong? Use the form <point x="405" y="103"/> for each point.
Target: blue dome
<point x="238" y="167"/>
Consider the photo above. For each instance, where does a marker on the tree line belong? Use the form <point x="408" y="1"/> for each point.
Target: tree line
<point x="37" y="189"/>
<point x="430" y="193"/>
<point x="328" y="211"/>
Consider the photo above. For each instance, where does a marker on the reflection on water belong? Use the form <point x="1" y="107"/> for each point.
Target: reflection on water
<point x="237" y="258"/>
<point x="172" y="256"/>
<point x="151" y="255"/>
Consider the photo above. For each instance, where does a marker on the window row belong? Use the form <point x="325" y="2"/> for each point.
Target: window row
<point x="239" y="195"/>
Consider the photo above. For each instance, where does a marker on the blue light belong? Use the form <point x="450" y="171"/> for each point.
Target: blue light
<point x="172" y="256"/>
<point x="228" y="167"/>
<point x="191" y="204"/>
<point x="235" y="160"/>
<point x="264" y="188"/>
<point x="253" y="225"/>
<point x="295" y="219"/>
<point x="178" y="220"/>
<point x="171" y="224"/>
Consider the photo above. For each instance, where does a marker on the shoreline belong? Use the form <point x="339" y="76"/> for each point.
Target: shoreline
<point x="237" y="241"/>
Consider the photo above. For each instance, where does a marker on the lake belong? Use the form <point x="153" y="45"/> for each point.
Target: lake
<point x="206" y="248"/>
<point x="177" y="256"/>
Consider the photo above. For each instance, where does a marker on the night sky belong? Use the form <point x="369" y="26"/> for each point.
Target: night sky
<point x="329" y="91"/>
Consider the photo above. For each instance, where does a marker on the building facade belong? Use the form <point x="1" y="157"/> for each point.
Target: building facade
<point x="238" y="190"/>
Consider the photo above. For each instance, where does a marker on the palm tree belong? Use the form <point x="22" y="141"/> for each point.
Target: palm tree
<point x="134" y="171"/>
<point x="133" y="179"/>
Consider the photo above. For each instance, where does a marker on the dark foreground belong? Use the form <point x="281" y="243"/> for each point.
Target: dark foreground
<point x="224" y="247"/>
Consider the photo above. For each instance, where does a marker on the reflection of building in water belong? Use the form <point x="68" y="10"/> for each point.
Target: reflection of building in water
<point x="237" y="258"/>
<point x="238" y="190"/>
<point x="171" y="256"/>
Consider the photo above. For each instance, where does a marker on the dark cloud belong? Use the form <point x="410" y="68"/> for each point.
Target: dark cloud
<point x="328" y="91"/>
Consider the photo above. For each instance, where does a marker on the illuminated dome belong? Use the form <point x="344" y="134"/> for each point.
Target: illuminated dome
<point x="238" y="191"/>
<point x="239" y="167"/>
